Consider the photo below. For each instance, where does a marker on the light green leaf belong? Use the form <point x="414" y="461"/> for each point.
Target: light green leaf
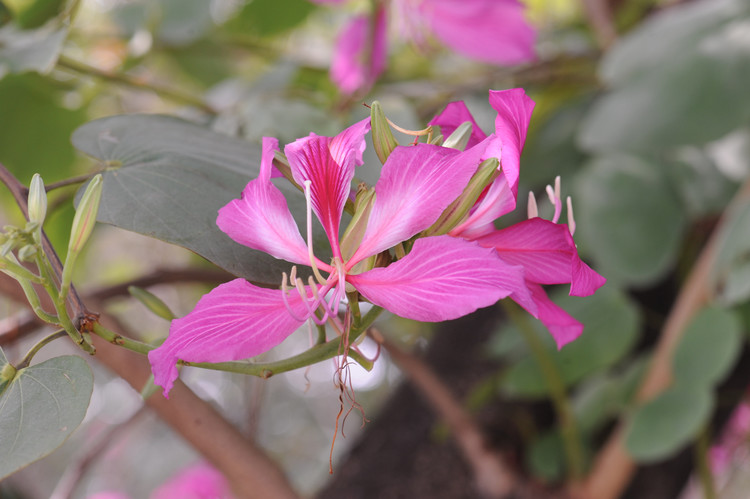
<point x="167" y="179"/>
<point x="30" y="50"/>
<point x="630" y="218"/>
<point x="611" y="326"/>
<point x="40" y="409"/>
<point x="668" y="422"/>
<point x="708" y="349"/>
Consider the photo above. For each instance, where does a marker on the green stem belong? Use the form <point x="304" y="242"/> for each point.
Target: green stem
<point x="170" y="93"/>
<point x="321" y="334"/>
<point x="112" y="337"/>
<point x="44" y="341"/>
<point x="553" y="378"/>
<point x="36" y="304"/>
<point x="704" y="469"/>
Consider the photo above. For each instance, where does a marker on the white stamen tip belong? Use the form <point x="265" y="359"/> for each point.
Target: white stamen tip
<point x="551" y="195"/>
<point x="571" y="218"/>
<point x="532" y="210"/>
<point x="558" y="189"/>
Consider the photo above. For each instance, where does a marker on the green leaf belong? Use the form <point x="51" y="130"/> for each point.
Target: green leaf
<point x="708" y="349"/>
<point x="611" y="326"/>
<point x="40" y="409"/>
<point x="667" y="423"/>
<point x="731" y="273"/>
<point x="167" y="179"/>
<point x="270" y="17"/>
<point x="546" y="457"/>
<point x="30" y="50"/>
<point x="630" y="219"/>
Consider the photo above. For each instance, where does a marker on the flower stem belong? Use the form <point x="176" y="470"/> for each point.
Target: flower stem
<point x="114" y="338"/>
<point x="44" y="341"/>
<point x="552" y="377"/>
<point x="703" y="467"/>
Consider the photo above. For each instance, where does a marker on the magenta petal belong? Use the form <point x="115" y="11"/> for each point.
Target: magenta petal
<point x="441" y="278"/>
<point x="493" y="31"/>
<point x="350" y="69"/>
<point x="514" y="110"/>
<point x="560" y="324"/>
<point x="454" y="114"/>
<point x="198" y="481"/>
<point x="261" y="219"/>
<point x="498" y="201"/>
<point x="547" y="253"/>
<point x="234" y="321"/>
<point x="328" y="163"/>
<point x="416" y="184"/>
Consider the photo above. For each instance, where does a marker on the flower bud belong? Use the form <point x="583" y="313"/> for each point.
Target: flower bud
<point x="460" y="137"/>
<point x="457" y="210"/>
<point x="7" y="375"/>
<point x="85" y="217"/>
<point x="151" y="302"/>
<point x="356" y="229"/>
<point x="383" y="140"/>
<point x="37" y="200"/>
<point x="27" y="253"/>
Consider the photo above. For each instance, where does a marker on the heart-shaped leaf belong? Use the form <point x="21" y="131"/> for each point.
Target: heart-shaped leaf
<point x="40" y="407"/>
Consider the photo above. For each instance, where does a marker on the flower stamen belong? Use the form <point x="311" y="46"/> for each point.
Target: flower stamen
<point x="531" y="208"/>
<point x="571" y="218"/>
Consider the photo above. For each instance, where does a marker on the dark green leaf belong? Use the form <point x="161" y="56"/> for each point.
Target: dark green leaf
<point x="167" y="179"/>
<point x="546" y="457"/>
<point x="667" y="423"/>
<point x="630" y="218"/>
<point x="708" y="349"/>
<point x="30" y="50"/>
<point x="270" y="17"/>
<point x="40" y="408"/>
<point x="732" y="268"/>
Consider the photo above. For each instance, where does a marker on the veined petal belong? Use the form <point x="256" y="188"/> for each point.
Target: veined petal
<point x="416" y="184"/>
<point x="234" y="321"/>
<point x="454" y="114"/>
<point x="442" y="278"/>
<point x="514" y="110"/>
<point x="351" y="68"/>
<point x="328" y="163"/>
<point x="493" y="31"/>
<point x="547" y="253"/>
<point x="260" y="219"/>
<point x="560" y="324"/>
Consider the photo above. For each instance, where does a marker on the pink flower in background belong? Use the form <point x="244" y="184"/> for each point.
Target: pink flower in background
<point x="491" y="31"/>
<point x="441" y="278"/>
<point x="200" y="481"/>
<point x="544" y="248"/>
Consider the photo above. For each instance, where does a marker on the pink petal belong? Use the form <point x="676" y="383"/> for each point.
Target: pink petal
<point x="561" y="325"/>
<point x="416" y="184"/>
<point x="234" y="321"/>
<point x="352" y="68"/>
<point x="454" y="114"/>
<point x="514" y="110"/>
<point x="328" y="163"/>
<point x="441" y="278"/>
<point x="493" y="31"/>
<point x="498" y="201"/>
<point x="547" y="253"/>
<point x="261" y="219"/>
<point x="199" y="481"/>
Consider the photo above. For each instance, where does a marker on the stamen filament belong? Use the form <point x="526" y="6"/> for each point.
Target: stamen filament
<point x="571" y="218"/>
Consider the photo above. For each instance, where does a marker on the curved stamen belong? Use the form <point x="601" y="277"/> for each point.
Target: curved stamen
<point x="571" y="218"/>
<point x="284" y="292"/>
<point x="555" y="200"/>
<point x="531" y="208"/>
<point x="310" y="254"/>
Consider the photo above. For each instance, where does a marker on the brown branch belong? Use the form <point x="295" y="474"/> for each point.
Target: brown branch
<point x="613" y="467"/>
<point x="492" y="476"/>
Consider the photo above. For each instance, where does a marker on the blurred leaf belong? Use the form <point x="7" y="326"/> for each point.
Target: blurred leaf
<point x="30" y="50"/>
<point x="183" y="21"/>
<point x="167" y="179"/>
<point x="731" y="271"/>
<point x="34" y="13"/>
<point x="270" y="17"/>
<point x="611" y="326"/>
<point x="597" y="401"/>
<point x="708" y="349"/>
<point x="6" y="15"/>
<point x="545" y="457"/>
<point x="36" y="131"/>
<point x="677" y="80"/>
<point x="629" y="218"/>
<point x="667" y="423"/>
<point x="204" y="61"/>
<point x="40" y="408"/>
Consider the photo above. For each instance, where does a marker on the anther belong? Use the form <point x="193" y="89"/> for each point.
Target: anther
<point x="554" y="198"/>
<point x="571" y="218"/>
<point x="532" y="210"/>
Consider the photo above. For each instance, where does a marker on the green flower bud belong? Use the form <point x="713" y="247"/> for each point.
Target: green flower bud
<point x="7" y="375"/>
<point x="460" y="137"/>
<point x="356" y="229"/>
<point x="383" y="140"/>
<point x="457" y="210"/>
<point x="436" y="140"/>
<point x="152" y="302"/>
<point x="27" y="253"/>
<point x="37" y="200"/>
<point x="85" y="217"/>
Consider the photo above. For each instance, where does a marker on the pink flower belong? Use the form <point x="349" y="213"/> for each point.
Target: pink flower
<point x="545" y="249"/>
<point x="441" y="277"/>
<point x="491" y="31"/>
<point x="200" y="481"/>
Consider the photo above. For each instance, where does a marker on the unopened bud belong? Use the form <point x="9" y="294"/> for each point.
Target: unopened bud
<point x="357" y="227"/>
<point x="436" y="140"/>
<point x="85" y="218"/>
<point x="460" y="137"/>
<point x="457" y="210"/>
<point x="27" y="253"/>
<point x="383" y="140"/>
<point x="37" y="200"/>
<point x="151" y="302"/>
<point x="7" y="375"/>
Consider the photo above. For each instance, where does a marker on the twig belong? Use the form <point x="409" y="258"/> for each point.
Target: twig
<point x="493" y="478"/>
<point x="613" y="467"/>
